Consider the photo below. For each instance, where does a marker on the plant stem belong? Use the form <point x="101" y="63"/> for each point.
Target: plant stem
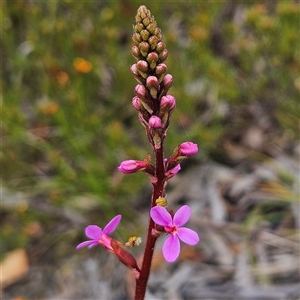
<point x="158" y="190"/>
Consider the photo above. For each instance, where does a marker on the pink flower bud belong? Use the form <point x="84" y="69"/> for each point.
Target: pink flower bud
<point x="144" y="48"/>
<point x="161" y="46"/>
<point x="153" y="40"/>
<point x="152" y="59"/>
<point x="140" y="91"/>
<point x="188" y="149"/>
<point x="152" y="85"/>
<point x="135" y="52"/>
<point x="131" y="166"/>
<point x="136" y="103"/>
<point x="161" y="69"/>
<point x="152" y="81"/>
<point x="167" y="102"/>
<point x="168" y="80"/>
<point x="163" y="55"/>
<point x="134" y="70"/>
<point x="142" y="66"/>
<point x="155" y="122"/>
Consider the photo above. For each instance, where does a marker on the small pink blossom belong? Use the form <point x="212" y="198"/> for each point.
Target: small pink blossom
<point x="188" y="149"/>
<point x="172" y="226"/>
<point x="100" y="237"/>
<point x="155" y="122"/>
<point x="131" y="166"/>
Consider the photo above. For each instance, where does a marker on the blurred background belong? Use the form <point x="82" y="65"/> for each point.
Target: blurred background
<point x="68" y="122"/>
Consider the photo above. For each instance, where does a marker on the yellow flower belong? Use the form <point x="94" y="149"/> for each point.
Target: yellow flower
<point x="81" y="65"/>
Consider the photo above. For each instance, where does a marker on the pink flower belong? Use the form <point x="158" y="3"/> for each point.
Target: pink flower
<point x="188" y="149"/>
<point x="172" y="226"/>
<point x="155" y="122"/>
<point x="100" y="237"/>
<point x="131" y="166"/>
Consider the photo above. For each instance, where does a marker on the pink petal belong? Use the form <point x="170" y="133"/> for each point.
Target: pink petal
<point x="161" y="216"/>
<point x="83" y="244"/>
<point x="182" y="215"/>
<point x="188" y="236"/>
<point x="93" y="244"/>
<point x="171" y="248"/>
<point x="93" y="232"/>
<point x="112" y="225"/>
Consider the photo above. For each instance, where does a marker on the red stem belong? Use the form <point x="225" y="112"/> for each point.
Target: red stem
<point x="158" y="190"/>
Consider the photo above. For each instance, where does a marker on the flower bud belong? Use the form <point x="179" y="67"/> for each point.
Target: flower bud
<point x="145" y="34"/>
<point x="140" y="91"/>
<point x="157" y="32"/>
<point x="144" y="48"/>
<point x="138" y="27"/>
<point x="161" y="46"/>
<point x="136" y="38"/>
<point x="163" y="55"/>
<point x="151" y="28"/>
<point x="142" y="67"/>
<point x="155" y="122"/>
<point x="152" y="85"/>
<point x="187" y="149"/>
<point x="136" y="103"/>
<point x="167" y="103"/>
<point x="168" y="81"/>
<point x="131" y="166"/>
<point x="134" y="71"/>
<point x="160" y="71"/>
<point x="153" y="40"/>
<point x="135" y="52"/>
<point x="152" y="59"/>
<point x="146" y="21"/>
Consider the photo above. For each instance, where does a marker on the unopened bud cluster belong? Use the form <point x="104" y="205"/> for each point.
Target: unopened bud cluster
<point x="151" y="101"/>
